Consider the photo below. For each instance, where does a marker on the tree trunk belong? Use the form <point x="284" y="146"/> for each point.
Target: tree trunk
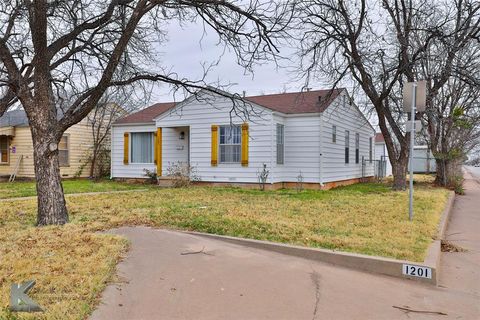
<point x="447" y="172"/>
<point x="52" y="208"/>
<point x="93" y="163"/>
<point x="399" y="171"/>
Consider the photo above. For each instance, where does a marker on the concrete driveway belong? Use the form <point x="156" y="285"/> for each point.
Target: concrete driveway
<point x="172" y="275"/>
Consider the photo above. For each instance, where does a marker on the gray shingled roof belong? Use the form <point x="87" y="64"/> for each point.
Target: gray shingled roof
<point x="14" y="118"/>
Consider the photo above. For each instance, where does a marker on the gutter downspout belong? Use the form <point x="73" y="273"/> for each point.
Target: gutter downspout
<point x="320" y="162"/>
<point x="272" y="178"/>
<point x="111" y="149"/>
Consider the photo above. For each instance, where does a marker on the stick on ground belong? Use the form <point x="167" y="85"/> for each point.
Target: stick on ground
<point x="407" y="309"/>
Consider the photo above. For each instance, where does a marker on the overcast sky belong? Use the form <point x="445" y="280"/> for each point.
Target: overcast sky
<point x="186" y="50"/>
<point x="188" y="47"/>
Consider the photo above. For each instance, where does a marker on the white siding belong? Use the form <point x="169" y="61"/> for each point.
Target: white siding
<point x="345" y="117"/>
<point x="200" y="116"/>
<point x="423" y="160"/>
<point x="301" y="140"/>
<point x="131" y="170"/>
<point x="381" y="151"/>
<point x="302" y="148"/>
<point x="174" y="149"/>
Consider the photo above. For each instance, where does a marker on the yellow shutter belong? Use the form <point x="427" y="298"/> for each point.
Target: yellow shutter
<point x="245" y="144"/>
<point x="125" y="147"/>
<point x="214" y="160"/>
<point x="158" y="151"/>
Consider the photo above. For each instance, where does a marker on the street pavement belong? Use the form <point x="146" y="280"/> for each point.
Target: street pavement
<point x="172" y="275"/>
<point x="475" y="171"/>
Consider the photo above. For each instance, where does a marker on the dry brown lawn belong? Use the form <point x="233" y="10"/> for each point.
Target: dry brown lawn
<point x="73" y="264"/>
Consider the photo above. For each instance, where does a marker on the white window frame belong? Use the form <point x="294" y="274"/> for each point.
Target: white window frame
<point x="67" y="164"/>
<point x="131" y="145"/>
<point x="8" y="150"/>
<point x="220" y="144"/>
<point x="280" y="146"/>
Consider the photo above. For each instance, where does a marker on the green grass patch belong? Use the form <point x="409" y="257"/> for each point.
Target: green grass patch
<point x="73" y="264"/>
<point x="19" y="189"/>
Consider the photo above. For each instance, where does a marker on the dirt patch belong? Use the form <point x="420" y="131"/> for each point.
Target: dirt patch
<point x="450" y="247"/>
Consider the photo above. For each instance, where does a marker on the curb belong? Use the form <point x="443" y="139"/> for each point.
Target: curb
<point x="372" y="264"/>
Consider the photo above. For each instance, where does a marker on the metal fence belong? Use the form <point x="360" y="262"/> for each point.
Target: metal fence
<point x="379" y="168"/>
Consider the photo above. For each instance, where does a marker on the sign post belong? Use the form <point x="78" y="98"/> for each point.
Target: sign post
<point x="414" y="99"/>
<point x="412" y="142"/>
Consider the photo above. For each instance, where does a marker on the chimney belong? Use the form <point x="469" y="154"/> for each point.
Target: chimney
<point x="244" y="94"/>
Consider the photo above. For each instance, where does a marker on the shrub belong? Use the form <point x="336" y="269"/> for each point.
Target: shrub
<point x="263" y="176"/>
<point x="182" y="174"/>
<point x="457" y="186"/>
<point x="151" y="175"/>
<point x="299" y="184"/>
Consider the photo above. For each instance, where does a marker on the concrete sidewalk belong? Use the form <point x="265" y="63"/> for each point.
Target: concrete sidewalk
<point x="217" y="280"/>
<point x="460" y="271"/>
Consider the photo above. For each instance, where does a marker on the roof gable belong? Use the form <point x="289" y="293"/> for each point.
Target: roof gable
<point x="313" y="101"/>
<point x="379" y="138"/>
<point x="14" y="118"/>
<point x="148" y="114"/>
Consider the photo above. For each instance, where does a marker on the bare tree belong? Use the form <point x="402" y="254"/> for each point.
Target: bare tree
<point x="453" y="127"/>
<point x="113" y="105"/>
<point x="452" y="117"/>
<point x="57" y="58"/>
<point x="377" y="46"/>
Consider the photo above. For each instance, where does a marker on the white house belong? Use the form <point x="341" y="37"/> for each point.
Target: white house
<point x="423" y="160"/>
<point x="319" y="135"/>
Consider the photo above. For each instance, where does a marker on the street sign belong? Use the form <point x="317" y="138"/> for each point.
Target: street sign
<point x="420" y="99"/>
<point x="417" y="126"/>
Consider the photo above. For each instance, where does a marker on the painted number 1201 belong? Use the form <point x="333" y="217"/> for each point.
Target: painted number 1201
<point x="417" y="271"/>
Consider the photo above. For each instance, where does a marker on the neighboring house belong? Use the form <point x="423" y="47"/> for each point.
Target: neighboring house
<point x="423" y="160"/>
<point x="381" y="156"/>
<point x="319" y="135"/>
<point x="16" y="147"/>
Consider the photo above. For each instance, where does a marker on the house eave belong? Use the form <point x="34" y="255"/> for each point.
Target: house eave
<point x="7" y="131"/>
<point x="133" y="124"/>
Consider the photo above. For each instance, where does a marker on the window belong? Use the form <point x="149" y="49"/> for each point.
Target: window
<point x="63" y="152"/>
<point x="357" y="147"/>
<point x="347" y="146"/>
<point x="230" y="144"/>
<point x="280" y="143"/>
<point x="3" y="149"/>
<point x="370" y="150"/>
<point x="142" y="147"/>
<point x="334" y="134"/>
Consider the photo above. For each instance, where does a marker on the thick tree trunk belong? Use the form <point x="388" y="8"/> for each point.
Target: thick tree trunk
<point x="447" y="172"/>
<point x="52" y="208"/>
<point x="399" y="171"/>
